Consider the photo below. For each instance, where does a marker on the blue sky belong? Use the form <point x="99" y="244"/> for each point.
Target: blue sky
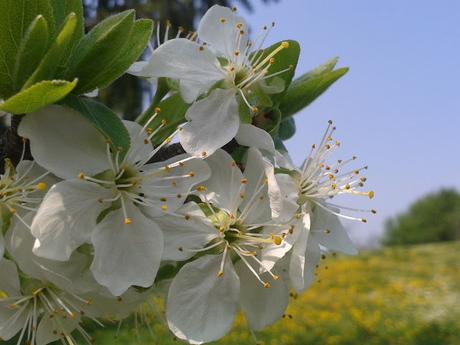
<point x="398" y="109"/>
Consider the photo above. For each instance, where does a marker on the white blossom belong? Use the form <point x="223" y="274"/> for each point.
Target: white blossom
<point x="226" y="60"/>
<point x="222" y="238"/>
<point x="107" y="199"/>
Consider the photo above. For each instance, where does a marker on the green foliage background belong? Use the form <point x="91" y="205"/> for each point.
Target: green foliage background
<point x="434" y="218"/>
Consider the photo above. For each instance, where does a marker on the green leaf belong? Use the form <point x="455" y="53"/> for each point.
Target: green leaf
<point x="38" y="96"/>
<point x="15" y="18"/>
<point x="173" y="111"/>
<point x="33" y="48"/>
<point x="287" y="129"/>
<point x="105" y="120"/>
<point x="61" y="9"/>
<point x="126" y="55"/>
<point x="56" y="53"/>
<point x="304" y="90"/>
<point x="285" y="60"/>
<point x="108" y="50"/>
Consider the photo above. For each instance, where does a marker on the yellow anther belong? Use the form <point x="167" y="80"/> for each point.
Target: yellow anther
<point x="237" y="53"/>
<point x="242" y="195"/>
<point x="146" y="141"/>
<point x="275" y="277"/>
<point x="157" y="110"/>
<point x="13" y="210"/>
<point x="149" y="130"/>
<point x="244" y="180"/>
<point x="347" y="187"/>
<point x="174" y="183"/>
<point x="164" y="122"/>
<point x="164" y="207"/>
<point x="327" y="231"/>
<point x="163" y="199"/>
<point x="201" y="189"/>
<point x="191" y="174"/>
<point x="168" y="140"/>
<point x="204" y="154"/>
<point x="128" y="221"/>
<point x="222" y="229"/>
<point x="181" y="164"/>
<point x="220" y="274"/>
<point x="254" y="109"/>
<point x="223" y="20"/>
<point x="277" y="240"/>
<point x="364" y="220"/>
<point x="3" y="295"/>
<point x="291" y="229"/>
<point x="285" y="45"/>
<point x="41" y="186"/>
<point x="201" y="48"/>
<point x="234" y="9"/>
<point x="272" y="61"/>
<point x="370" y="194"/>
<point x="374" y="211"/>
<point x="267" y="285"/>
<point x="187" y="217"/>
<point x="81" y="176"/>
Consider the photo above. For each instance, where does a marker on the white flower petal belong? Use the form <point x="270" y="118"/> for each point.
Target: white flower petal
<point x="54" y="327"/>
<point x="252" y="136"/>
<point x="304" y="257"/>
<point x="329" y="231"/>
<point x="72" y="275"/>
<point x="213" y="122"/>
<point x="256" y="204"/>
<point x="66" y="218"/>
<point x="189" y="229"/>
<point x="261" y="306"/>
<point x="170" y="182"/>
<point x="126" y="254"/>
<point x="64" y="142"/>
<point x="218" y="27"/>
<point x="9" y="283"/>
<point x="141" y="146"/>
<point x="273" y="253"/>
<point x="183" y="59"/>
<point x="284" y="161"/>
<point x="201" y="306"/>
<point x="224" y="186"/>
<point x="283" y="192"/>
<point x="190" y="90"/>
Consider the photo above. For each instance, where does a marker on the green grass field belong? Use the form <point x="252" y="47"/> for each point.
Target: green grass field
<point x="405" y="295"/>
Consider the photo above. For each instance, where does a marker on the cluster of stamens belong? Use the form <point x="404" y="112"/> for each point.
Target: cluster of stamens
<point x="236" y="235"/>
<point x="250" y="65"/>
<point x="320" y="181"/>
<point x="46" y="302"/>
<point x="126" y="179"/>
<point x="16" y="191"/>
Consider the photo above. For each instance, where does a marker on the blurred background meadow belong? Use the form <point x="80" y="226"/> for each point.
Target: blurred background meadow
<point x="398" y="110"/>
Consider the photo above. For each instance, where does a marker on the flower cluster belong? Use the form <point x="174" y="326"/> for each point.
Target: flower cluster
<point x="89" y="229"/>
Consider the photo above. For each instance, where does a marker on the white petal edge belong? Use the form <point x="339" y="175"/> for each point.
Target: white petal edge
<point x="64" y="142"/>
<point x="212" y="122"/>
<point x="201" y="306"/>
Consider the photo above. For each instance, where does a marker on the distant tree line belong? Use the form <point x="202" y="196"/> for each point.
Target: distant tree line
<point x="433" y="218"/>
